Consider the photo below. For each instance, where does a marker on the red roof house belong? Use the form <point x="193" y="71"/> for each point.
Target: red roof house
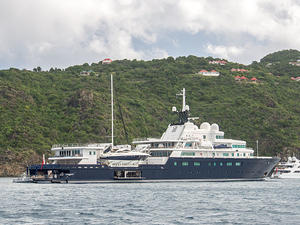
<point x="106" y="61"/>
<point x="237" y="78"/>
<point x="244" y="78"/>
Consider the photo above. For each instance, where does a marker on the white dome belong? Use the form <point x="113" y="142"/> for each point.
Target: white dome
<point x="205" y="126"/>
<point x="214" y="127"/>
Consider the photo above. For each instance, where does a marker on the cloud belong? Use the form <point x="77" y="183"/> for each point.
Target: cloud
<point x="62" y="33"/>
<point x="228" y="52"/>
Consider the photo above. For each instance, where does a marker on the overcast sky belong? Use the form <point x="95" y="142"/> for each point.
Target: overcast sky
<point x="60" y="33"/>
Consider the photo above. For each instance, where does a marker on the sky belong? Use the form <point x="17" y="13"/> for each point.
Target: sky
<point x="62" y="33"/>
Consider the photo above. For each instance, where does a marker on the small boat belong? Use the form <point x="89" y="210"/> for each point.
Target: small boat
<point x="24" y="178"/>
<point x="289" y="169"/>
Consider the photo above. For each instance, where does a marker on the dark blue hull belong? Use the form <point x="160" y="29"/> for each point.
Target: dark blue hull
<point x="174" y="169"/>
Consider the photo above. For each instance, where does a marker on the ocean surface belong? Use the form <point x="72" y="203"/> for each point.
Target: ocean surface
<point x="257" y="202"/>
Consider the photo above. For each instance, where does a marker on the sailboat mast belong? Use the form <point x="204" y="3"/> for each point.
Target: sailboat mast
<point x="112" y="111"/>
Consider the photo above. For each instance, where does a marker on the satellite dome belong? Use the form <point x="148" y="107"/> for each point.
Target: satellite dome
<point x="205" y="126"/>
<point x="214" y="127"/>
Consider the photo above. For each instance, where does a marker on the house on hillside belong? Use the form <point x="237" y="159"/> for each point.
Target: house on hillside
<point x="297" y="63"/>
<point x="85" y="73"/>
<point x="212" y="73"/>
<point x="295" y="78"/>
<point x="88" y="73"/>
<point x="219" y="62"/>
<point x="254" y="79"/>
<point x="106" y="61"/>
<point x="239" y="70"/>
<point x="237" y="78"/>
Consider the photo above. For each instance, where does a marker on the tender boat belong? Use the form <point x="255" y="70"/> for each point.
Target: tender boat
<point x="289" y="169"/>
<point x="185" y="152"/>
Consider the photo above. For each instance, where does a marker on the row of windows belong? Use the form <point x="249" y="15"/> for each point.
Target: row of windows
<point x="219" y="137"/>
<point x="188" y="153"/>
<point x="163" y="145"/>
<point x="161" y="153"/>
<point x="69" y="152"/>
<point x="92" y="153"/>
<point x="209" y="163"/>
<point x="183" y="153"/>
<point x="238" y="146"/>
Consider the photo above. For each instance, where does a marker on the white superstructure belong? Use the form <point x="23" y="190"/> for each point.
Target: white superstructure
<point x="185" y="139"/>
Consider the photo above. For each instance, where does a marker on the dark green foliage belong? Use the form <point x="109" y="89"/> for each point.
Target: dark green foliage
<point x="60" y="106"/>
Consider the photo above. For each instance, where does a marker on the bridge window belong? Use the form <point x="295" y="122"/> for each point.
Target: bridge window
<point x="229" y="164"/>
<point x="238" y="146"/>
<point x="188" y="144"/>
<point x="221" y="164"/>
<point x="175" y="163"/>
<point x="185" y="163"/>
<point x="196" y="163"/>
<point x="238" y="163"/>
<point x="187" y="153"/>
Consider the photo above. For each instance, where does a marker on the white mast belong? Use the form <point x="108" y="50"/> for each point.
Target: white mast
<point x="256" y="148"/>
<point x="183" y="99"/>
<point x="112" y="111"/>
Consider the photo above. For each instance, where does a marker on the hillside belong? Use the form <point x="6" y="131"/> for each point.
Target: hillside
<point x="280" y="63"/>
<point x="38" y="109"/>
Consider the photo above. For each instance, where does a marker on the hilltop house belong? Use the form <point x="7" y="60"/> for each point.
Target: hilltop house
<point x="106" y="61"/>
<point x="220" y="62"/>
<point x="212" y="73"/>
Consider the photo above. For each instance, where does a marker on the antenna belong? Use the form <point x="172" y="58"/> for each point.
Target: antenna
<point x="112" y="111"/>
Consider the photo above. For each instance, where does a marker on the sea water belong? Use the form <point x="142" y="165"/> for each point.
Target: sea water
<point x="274" y="201"/>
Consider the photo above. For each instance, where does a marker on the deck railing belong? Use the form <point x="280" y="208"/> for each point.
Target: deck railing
<point x="80" y="145"/>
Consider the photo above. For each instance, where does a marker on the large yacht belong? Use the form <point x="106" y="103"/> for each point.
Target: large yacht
<point x="289" y="169"/>
<point x="184" y="152"/>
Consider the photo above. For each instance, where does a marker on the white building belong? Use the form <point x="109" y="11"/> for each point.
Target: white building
<point x="212" y="73"/>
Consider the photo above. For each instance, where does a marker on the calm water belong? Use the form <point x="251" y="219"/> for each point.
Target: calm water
<point x="264" y="202"/>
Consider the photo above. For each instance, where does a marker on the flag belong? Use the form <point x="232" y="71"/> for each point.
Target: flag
<point x="43" y="162"/>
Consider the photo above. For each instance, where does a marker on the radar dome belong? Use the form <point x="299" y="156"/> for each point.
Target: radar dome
<point x="205" y="126"/>
<point x="214" y="127"/>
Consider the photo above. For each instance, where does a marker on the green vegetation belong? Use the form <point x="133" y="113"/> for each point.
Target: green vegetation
<point x="278" y="63"/>
<point x="38" y="109"/>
